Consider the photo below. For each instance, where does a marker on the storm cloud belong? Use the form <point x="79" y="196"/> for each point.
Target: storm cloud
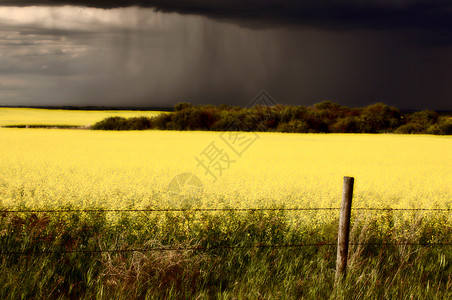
<point x="158" y="53"/>
<point x="340" y="14"/>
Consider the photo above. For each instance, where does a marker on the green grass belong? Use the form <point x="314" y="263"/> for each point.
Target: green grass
<point x="374" y="272"/>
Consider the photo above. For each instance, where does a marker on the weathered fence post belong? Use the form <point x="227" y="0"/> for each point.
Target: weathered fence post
<point x="344" y="228"/>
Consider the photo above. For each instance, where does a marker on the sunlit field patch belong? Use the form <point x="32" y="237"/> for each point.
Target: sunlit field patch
<point x="33" y="116"/>
<point x="55" y="168"/>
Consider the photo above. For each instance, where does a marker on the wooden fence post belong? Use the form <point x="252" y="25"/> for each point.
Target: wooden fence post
<point x="344" y="228"/>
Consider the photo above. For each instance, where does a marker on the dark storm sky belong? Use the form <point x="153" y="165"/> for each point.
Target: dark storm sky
<point x="158" y="53"/>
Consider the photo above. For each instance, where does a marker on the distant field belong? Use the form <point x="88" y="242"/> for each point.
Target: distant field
<point x="134" y="169"/>
<point x="34" y="116"/>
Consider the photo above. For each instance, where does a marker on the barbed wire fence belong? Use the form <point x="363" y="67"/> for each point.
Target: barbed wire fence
<point x="319" y="244"/>
<point x="342" y="243"/>
<point x="214" y="210"/>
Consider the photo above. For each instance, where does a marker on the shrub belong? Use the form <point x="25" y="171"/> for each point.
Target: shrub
<point x="180" y="119"/>
<point x="323" y="117"/>
<point x="291" y="112"/>
<point x="264" y="118"/>
<point x="427" y="117"/>
<point x="203" y="118"/>
<point x="443" y="127"/>
<point x="418" y="122"/>
<point x="182" y="105"/>
<point x="315" y="121"/>
<point x="411" y="128"/>
<point x="112" y="123"/>
<point x="347" y="125"/>
<point x="380" y="117"/>
<point x="140" y="123"/>
<point x="161" y="121"/>
<point x="299" y="126"/>
<point x="119" y="123"/>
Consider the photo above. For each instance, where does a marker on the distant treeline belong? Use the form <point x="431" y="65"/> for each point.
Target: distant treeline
<point x="324" y="117"/>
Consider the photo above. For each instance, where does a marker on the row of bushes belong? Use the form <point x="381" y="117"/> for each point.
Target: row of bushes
<point x="324" y="117"/>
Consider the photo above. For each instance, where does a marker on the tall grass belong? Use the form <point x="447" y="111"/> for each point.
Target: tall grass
<point x="378" y="267"/>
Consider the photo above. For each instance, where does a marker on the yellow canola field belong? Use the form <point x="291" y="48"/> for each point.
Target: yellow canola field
<point x="34" y="116"/>
<point x="53" y="168"/>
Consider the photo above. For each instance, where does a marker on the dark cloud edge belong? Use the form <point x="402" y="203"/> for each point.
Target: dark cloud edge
<point x="418" y="14"/>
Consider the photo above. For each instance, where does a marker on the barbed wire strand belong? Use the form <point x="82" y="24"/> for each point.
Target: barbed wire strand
<point x="402" y="209"/>
<point x="160" y="249"/>
<point x="216" y="210"/>
<point x="165" y="210"/>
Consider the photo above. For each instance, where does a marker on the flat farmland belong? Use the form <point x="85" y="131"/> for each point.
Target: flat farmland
<point x="164" y="242"/>
<point x="52" y="168"/>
